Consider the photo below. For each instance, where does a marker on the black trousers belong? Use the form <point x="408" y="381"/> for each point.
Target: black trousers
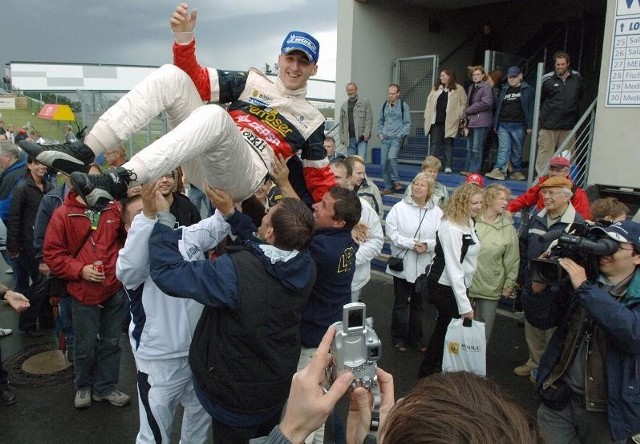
<point x="441" y="296"/>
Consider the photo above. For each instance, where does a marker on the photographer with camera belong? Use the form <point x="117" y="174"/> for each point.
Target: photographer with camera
<point x="557" y="216"/>
<point x="588" y="377"/>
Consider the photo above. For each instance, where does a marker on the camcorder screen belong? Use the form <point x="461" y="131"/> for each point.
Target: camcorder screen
<point x="355" y="319"/>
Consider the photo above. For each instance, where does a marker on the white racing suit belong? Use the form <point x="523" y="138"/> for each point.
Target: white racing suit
<point x="229" y="150"/>
<point x="161" y="330"/>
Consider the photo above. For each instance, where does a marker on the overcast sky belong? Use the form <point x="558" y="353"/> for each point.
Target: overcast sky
<point x="230" y="34"/>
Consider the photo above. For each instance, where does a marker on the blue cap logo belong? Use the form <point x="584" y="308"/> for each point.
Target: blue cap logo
<point x="301" y="41"/>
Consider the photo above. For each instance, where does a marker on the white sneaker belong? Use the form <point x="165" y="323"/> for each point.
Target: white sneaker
<point x="448" y="170"/>
<point x="116" y="397"/>
<point x="83" y="399"/>
<point x="8" y="271"/>
<point x="5" y="331"/>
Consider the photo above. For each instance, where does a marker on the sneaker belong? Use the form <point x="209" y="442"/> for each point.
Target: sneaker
<point x="98" y="190"/>
<point x="524" y="370"/>
<point x="66" y="158"/>
<point x="82" y="399"/>
<point x="397" y="187"/>
<point x="9" y="271"/>
<point x="496" y="174"/>
<point x="386" y="191"/>
<point x="518" y="175"/>
<point x="115" y="397"/>
<point x="5" y="331"/>
<point x="448" y="170"/>
<point x="6" y="395"/>
<point x="464" y="173"/>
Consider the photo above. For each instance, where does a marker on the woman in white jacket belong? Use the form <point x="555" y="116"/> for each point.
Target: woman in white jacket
<point x="411" y="226"/>
<point x="451" y="273"/>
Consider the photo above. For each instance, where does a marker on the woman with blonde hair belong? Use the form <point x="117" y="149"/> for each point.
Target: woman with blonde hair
<point x="499" y="257"/>
<point x="411" y="226"/>
<point x="456" y="255"/>
<point x="442" y="115"/>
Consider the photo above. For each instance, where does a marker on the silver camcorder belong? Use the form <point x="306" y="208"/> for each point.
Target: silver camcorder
<point x="356" y="346"/>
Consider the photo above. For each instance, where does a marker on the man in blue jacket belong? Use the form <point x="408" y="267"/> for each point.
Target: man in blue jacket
<point x="245" y="348"/>
<point x="588" y="378"/>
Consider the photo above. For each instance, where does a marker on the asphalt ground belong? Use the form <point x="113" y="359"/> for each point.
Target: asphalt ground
<point x="46" y="414"/>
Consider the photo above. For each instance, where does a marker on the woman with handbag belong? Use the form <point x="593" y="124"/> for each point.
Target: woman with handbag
<point x="411" y="226"/>
<point x="456" y="254"/>
<point x="499" y="257"/>
<point x="442" y="115"/>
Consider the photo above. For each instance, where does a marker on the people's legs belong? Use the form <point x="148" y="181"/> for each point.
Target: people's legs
<point x="362" y="149"/>
<point x="392" y="161"/>
<point x="385" y="145"/>
<point x="485" y="311"/>
<point x="556" y="426"/>
<point x="86" y="319"/>
<point x="66" y="323"/>
<point x="592" y="427"/>
<point x="352" y="146"/>
<point x="157" y="405"/>
<point x="224" y="434"/>
<point x="504" y="147"/>
<point x="448" y="152"/>
<point x="547" y="140"/>
<point x="518" y="135"/>
<point x="356" y="295"/>
<point x="537" y="341"/>
<point x="166" y="89"/>
<point x="442" y="297"/>
<point x="399" y="315"/>
<point x="416" y="318"/>
<point x="436" y="146"/>
<point x="107" y="366"/>
<point x="210" y="149"/>
<point x="196" y="422"/>
<point x="475" y="142"/>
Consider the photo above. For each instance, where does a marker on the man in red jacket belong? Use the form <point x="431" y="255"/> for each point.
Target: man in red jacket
<point x="558" y="167"/>
<point x="77" y="238"/>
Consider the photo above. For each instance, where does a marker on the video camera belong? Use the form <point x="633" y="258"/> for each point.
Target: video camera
<point x="583" y="243"/>
<point x="356" y="346"/>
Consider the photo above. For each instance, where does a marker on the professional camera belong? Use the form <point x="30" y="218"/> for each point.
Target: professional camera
<point x="356" y="346"/>
<point x="584" y="243"/>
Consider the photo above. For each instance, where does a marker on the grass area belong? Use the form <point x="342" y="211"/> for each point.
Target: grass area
<point x="18" y="118"/>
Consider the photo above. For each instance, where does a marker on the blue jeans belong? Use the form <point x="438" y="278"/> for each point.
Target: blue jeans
<point x="441" y="147"/>
<point x="197" y="197"/>
<point x="357" y="146"/>
<point x="475" y="144"/>
<point x="511" y="137"/>
<point x="389" y="149"/>
<point x="97" y="344"/>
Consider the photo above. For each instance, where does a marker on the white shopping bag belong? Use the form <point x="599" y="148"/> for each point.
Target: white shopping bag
<point x="465" y="348"/>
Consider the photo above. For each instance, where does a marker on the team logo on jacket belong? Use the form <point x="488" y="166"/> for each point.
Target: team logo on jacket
<point x="260" y="99"/>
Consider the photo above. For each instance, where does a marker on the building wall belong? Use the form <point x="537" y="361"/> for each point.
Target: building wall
<point x="616" y="150"/>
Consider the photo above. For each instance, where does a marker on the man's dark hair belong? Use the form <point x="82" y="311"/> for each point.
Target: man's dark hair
<point x="293" y="224"/>
<point x="127" y="217"/>
<point x="562" y="55"/>
<point x="345" y="164"/>
<point x="347" y="206"/>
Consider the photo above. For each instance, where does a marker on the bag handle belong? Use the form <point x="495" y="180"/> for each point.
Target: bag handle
<point x="414" y="234"/>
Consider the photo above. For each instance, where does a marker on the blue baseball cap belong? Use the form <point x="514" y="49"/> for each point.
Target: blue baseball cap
<point x="514" y="71"/>
<point x="301" y="41"/>
<point x="624" y="231"/>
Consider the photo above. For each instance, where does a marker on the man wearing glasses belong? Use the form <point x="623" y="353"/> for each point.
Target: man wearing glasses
<point x="588" y="377"/>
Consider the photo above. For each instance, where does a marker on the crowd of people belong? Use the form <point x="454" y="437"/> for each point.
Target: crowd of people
<point x="231" y="316"/>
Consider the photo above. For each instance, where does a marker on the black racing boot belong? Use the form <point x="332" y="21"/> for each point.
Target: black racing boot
<point x="66" y="158"/>
<point x="98" y="190"/>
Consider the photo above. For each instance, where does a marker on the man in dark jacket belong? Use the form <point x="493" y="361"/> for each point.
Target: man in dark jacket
<point x="246" y="345"/>
<point x="513" y="121"/>
<point x="561" y="93"/>
<point x="588" y="377"/>
<point x="20" y="222"/>
<point x="13" y="170"/>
